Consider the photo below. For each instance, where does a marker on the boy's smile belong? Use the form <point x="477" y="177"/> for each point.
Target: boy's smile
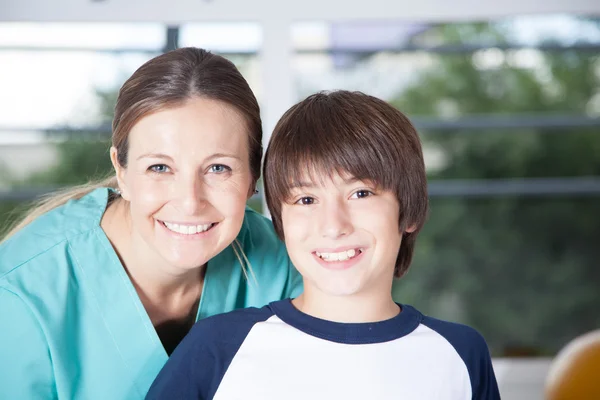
<point x="340" y="258"/>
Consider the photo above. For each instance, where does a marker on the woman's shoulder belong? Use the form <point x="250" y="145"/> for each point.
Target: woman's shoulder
<point x="52" y="229"/>
<point x="268" y="258"/>
<point x="257" y="233"/>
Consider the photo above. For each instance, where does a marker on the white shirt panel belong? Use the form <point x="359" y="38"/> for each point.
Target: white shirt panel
<point x="277" y="358"/>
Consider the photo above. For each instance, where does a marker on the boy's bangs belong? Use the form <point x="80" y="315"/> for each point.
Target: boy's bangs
<point x="314" y="162"/>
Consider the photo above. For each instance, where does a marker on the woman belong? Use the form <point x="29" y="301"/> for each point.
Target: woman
<point x="100" y="284"/>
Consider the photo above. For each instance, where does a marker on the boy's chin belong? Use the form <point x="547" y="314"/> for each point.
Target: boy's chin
<point x="341" y="289"/>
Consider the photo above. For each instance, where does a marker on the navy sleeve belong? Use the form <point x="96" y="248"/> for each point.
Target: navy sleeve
<point x="473" y="350"/>
<point x="198" y="364"/>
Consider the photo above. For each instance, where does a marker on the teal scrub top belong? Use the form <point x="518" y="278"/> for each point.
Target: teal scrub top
<point x="71" y="323"/>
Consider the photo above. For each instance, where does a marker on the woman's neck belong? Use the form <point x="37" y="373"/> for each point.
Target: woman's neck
<point x="166" y="294"/>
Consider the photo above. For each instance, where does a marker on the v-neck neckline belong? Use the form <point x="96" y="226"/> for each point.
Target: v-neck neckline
<point x="124" y="277"/>
<point x="120" y="306"/>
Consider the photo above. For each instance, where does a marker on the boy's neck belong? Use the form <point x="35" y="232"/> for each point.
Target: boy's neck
<point x="346" y="309"/>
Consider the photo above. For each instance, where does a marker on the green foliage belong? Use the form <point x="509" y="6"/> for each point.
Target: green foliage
<point x="10" y="212"/>
<point x="83" y="157"/>
<point x="80" y="161"/>
<point x="522" y="270"/>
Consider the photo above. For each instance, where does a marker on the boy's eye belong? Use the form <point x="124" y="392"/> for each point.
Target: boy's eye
<point x="159" y="168"/>
<point x="219" y="168"/>
<point x="362" y="194"/>
<point x="305" y="201"/>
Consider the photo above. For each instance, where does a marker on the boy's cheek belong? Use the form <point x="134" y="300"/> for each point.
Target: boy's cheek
<point x="295" y="227"/>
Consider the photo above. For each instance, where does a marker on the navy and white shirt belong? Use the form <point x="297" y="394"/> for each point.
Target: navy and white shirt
<point x="277" y="352"/>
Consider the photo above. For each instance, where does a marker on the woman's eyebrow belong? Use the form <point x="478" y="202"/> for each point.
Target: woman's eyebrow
<point x="223" y="155"/>
<point x="155" y="155"/>
<point x="167" y="157"/>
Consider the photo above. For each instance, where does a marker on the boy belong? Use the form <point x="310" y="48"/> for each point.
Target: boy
<point x="345" y="183"/>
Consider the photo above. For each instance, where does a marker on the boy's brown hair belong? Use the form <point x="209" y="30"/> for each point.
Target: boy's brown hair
<point x="349" y="133"/>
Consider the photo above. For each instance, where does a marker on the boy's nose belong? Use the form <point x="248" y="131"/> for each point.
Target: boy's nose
<point x="336" y="222"/>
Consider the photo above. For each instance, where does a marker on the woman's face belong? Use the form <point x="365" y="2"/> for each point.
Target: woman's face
<point x="187" y="181"/>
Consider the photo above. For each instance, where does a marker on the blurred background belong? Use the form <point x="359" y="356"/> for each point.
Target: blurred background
<point x="506" y="98"/>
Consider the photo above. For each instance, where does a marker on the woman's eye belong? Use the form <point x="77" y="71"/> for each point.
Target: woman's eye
<point x="305" y="201"/>
<point x="219" y="168"/>
<point x="159" y="168"/>
<point x="362" y="194"/>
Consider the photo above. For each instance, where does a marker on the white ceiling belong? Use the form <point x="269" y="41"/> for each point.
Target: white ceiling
<point x="175" y="11"/>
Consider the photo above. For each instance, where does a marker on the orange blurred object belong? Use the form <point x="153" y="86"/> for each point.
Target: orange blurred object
<point x="575" y="371"/>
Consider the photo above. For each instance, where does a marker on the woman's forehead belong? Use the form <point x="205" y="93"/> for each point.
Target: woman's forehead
<point x="199" y="126"/>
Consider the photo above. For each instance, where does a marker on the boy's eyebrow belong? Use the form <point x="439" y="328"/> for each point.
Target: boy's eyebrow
<point x="301" y="184"/>
<point x="305" y="184"/>
<point x="351" y="180"/>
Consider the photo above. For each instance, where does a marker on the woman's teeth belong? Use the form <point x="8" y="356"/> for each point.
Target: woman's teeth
<point x="187" y="229"/>
<point x="341" y="256"/>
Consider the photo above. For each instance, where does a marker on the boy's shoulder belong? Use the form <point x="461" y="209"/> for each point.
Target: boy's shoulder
<point x="198" y="364"/>
<point x="463" y="338"/>
<point x="229" y="328"/>
<point x="472" y="348"/>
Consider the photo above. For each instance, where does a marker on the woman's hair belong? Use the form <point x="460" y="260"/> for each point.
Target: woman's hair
<point x="349" y="133"/>
<point x="166" y="81"/>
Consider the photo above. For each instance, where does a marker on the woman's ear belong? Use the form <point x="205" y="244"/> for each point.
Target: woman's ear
<point x="120" y="172"/>
<point x="252" y="191"/>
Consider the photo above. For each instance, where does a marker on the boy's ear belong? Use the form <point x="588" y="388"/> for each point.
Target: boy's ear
<point x="411" y="229"/>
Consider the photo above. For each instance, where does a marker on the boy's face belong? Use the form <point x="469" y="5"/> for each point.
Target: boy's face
<point x="343" y="236"/>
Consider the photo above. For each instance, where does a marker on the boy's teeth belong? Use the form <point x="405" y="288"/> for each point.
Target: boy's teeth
<point x="341" y="256"/>
<point x="187" y="229"/>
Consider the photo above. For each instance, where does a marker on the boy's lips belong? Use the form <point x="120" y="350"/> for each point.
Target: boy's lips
<point x="339" y="254"/>
<point x="340" y="258"/>
<point x="338" y="249"/>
